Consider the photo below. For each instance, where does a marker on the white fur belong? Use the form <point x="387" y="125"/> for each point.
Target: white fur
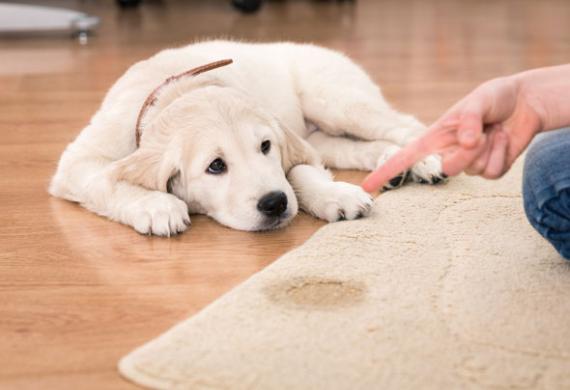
<point x="270" y="93"/>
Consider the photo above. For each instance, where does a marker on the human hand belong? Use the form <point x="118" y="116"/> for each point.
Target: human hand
<point x="482" y="134"/>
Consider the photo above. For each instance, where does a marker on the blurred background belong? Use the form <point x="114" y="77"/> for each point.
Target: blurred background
<point x="416" y="49"/>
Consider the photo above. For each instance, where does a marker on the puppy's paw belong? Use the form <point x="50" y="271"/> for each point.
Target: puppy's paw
<point x="343" y="201"/>
<point x="428" y="171"/>
<point x="397" y="181"/>
<point x="159" y="213"/>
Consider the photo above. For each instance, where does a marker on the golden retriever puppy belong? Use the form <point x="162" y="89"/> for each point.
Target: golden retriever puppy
<point x="240" y="142"/>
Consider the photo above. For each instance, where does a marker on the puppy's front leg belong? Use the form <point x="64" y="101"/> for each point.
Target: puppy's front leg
<point x="148" y="212"/>
<point x="91" y="182"/>
<point x="324" y="198"/>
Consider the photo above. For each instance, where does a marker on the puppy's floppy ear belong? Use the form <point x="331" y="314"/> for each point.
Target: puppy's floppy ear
<point x="296" y="151"/>
<point x="148" y="168"/>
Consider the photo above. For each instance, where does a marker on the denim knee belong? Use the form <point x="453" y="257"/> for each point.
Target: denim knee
<point x="546" y="188"/>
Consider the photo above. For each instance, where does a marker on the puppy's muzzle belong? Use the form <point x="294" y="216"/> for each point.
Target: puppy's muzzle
<point x="273" y="204"/>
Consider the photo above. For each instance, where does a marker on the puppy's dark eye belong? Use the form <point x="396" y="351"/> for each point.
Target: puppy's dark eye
<point x="217" y="167"/>
<point x="265" y="147"/>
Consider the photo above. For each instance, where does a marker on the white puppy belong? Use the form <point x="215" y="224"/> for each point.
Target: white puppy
<point x="241" y="143"/>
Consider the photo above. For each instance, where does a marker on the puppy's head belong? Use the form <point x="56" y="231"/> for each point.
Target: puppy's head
<point x="216" y="150"/>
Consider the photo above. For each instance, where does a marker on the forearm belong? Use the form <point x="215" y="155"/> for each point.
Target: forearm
<point x="547" y="91"/>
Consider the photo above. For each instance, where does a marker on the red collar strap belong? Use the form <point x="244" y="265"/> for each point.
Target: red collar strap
<point x="154" y="95"/>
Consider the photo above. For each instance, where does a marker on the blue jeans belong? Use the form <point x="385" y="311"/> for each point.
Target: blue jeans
<point x="546" y="188"/>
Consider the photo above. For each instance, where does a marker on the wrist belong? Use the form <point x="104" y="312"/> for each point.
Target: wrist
<point x="529" y="100"/>
<point x="547" y="92"/>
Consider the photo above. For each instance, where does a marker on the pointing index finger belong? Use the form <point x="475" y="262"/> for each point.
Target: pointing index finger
<point x="399" y="163"/>
<point x="431" y="142"/>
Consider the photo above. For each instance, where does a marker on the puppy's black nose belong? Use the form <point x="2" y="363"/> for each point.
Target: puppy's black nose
<point x="273" y="204"/>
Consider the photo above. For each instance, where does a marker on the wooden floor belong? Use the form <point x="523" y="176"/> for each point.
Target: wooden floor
<point x="77" y="291"/>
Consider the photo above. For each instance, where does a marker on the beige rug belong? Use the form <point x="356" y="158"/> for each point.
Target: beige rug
<point x="442" y="288"/>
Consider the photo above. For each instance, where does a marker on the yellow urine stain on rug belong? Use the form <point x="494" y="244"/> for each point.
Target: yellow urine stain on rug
<point x="316" y="293"/>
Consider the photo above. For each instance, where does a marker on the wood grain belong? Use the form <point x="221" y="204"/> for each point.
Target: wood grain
<point x="77" y="291"/>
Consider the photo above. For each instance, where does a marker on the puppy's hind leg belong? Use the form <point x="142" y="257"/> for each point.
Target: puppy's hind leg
<point x="343" y="101"/>
<point x="362" y="121"/>
<point x="345" y="153"/>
